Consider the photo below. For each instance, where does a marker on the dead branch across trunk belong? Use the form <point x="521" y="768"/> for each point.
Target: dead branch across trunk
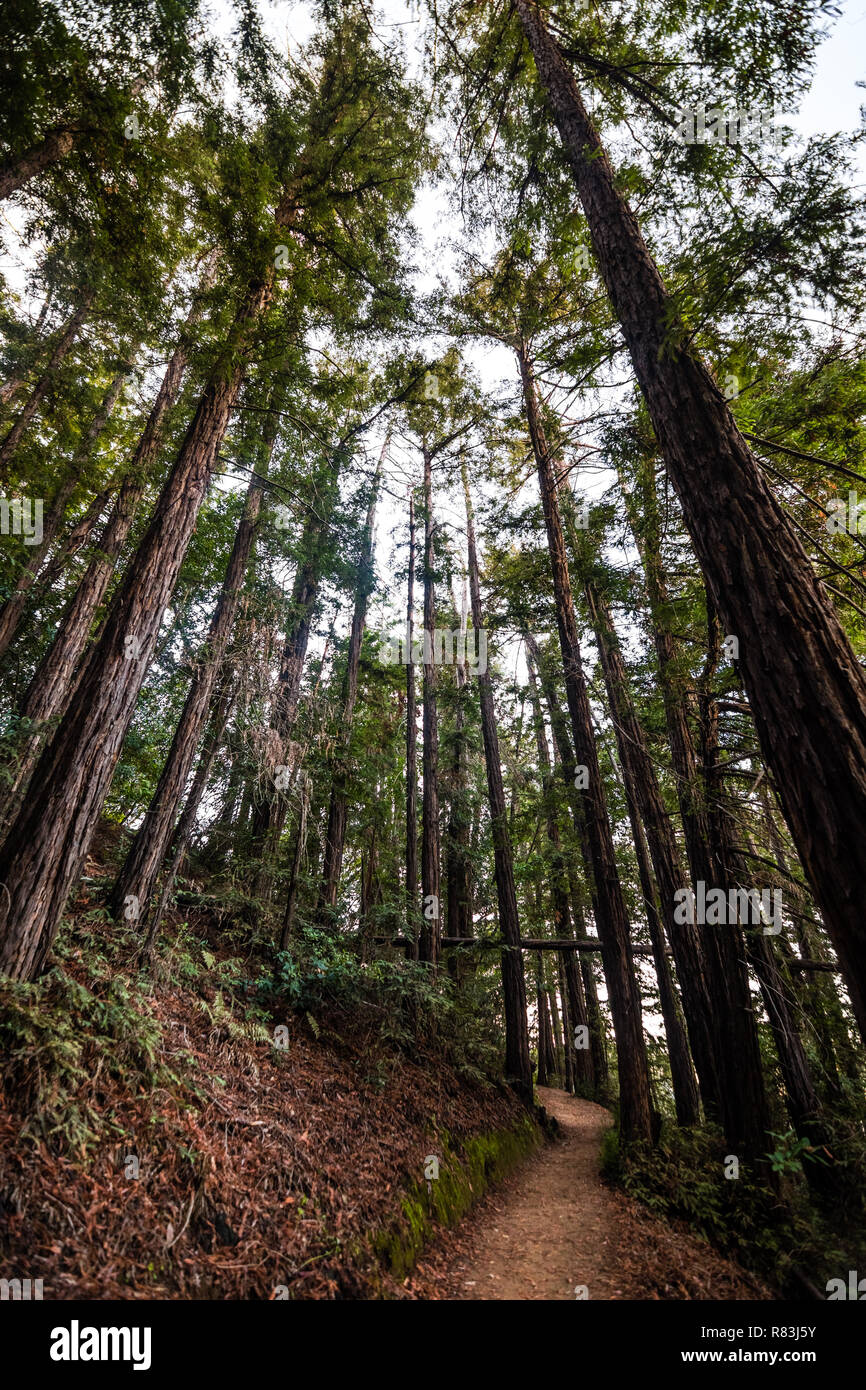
<point x="487" y="943"/>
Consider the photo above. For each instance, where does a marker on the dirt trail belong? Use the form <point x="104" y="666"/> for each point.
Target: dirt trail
<point x="554" y="1227"/>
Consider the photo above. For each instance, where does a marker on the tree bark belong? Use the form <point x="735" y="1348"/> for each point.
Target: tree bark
<point x="43" y="852"/>
<point x="647" y="813"/>
<point x="431" y="922"/>
<point x="567" y="1025"/>
<point x="51" y="687"/>
<point x="597" y="1053"/>
<point x="595" y="1017"/>
<point x="578" y="1061"/>
<point x="518" y="1067"/>
<point x="12" y="610"/>
<point x="742" y="1107"/>
<point x="612" y="919"/>
<point x="458" y="888"/>
<point x="56" y="145"/>
<point x="336" y="832"/>
<point x="43" y="385"/>
<point x="269" y="814"/>
<point x="558" y="1050"/>
<point x="801" y="1099"/>
<point x="556" y="868"/>
<point x="412" y="916"/>
<point x="546" y="1058"/>
<point x="220" y="709"/>
<point x="139" y="873"/>
<point x="578" y="1017"/>
<point x="76" y="537"/>
<point x="297" y="859"/>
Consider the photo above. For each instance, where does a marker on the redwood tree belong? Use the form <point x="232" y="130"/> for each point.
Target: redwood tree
<point x="612" y="918"/>
<point x="807" y="689"/>
<point x="517" y="1063"/>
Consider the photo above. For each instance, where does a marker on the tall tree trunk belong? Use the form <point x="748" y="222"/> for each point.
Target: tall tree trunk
<point x="801" y="1099"/>
<point x="595" y="1018"/>
<point x="578" y="1017"/>
<point x="517" y="1061"/>
<point x="220" y="709"/>
<point x="12" y="610"/>
<point x="336" y="832"/>
<point x="431" y="924"/>
<point x="578" y="1062"/>
<point x="742" y="1106"/>
<point x="269" y="814"/>
<point x="563" y="751"/>
<point x="297" y="860"/>
<point x="77" y="536"/>
<point x="805" y="686"/>
<point x="138" y="875"/>
<point x="412" y="916"/>
<point x="51" y="688"/>
<point x="647" y="813"/>
<point x="56" y="145"/>
<point x="800" y="1096"/>
<point x="458" y="890"/>
<point x="567" y="1025"/>
<point x="370" y="895"/>
<point x="612" y="920"/>
<point x="546" y="1058"/>
<point x="558" y="1050"/>
<point x="220" y="828"/>
<point x="682" y="1074"/>
<point x="816" y="993"/>
<point x="42" y="855"/>
<point x="43" y="385"/>
<point x="557" y="875"/>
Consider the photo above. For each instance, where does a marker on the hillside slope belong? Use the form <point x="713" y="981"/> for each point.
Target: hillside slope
<point x="202" y="1134"/>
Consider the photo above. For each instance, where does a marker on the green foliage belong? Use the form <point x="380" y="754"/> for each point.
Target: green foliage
<point x="58" y="1035"/>
<point x="775" y="1231"/>
<point x="405" y="1002"/>
<point x="790" y="1153"/>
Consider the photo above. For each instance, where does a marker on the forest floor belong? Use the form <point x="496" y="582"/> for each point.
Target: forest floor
<point x="256" y="1168"/>
<point x="554" y="1227"/>
<point x="155" y="1144"/>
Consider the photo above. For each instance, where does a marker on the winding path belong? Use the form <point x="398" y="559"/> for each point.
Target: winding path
<point x="555" y="1231"/>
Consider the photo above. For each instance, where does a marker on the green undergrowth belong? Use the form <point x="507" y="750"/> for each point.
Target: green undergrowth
<point x="466" y="1171"/>
<point x="98" y="1039"/>
<point x="406" y="1002"/>
<point x="97" y="1014"/>
<point x="780" y="1234"/>
<point x="59" y="1036"/>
